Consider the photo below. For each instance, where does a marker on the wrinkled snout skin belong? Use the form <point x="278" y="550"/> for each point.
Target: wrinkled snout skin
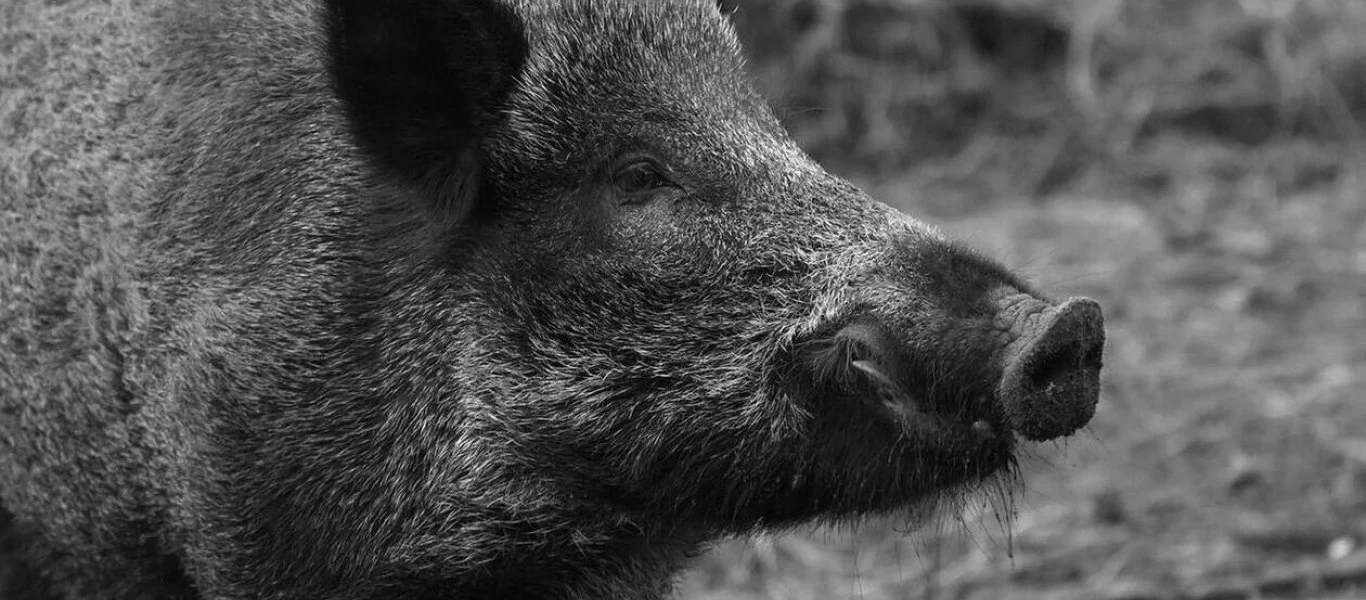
<point x="479" y="299"/>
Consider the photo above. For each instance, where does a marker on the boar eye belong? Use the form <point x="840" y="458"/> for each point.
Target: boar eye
<point x="641" y="177"/>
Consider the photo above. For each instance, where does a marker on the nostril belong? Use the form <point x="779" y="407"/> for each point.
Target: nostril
<point x="1094" y="358"/>
<point x="1051" y="377"/>
<point x="1054" y="365"/>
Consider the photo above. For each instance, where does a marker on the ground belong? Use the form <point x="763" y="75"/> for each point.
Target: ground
<point x="1228" y="455"/>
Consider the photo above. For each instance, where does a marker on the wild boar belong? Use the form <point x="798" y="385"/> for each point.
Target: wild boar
<point x="462" y="299"/>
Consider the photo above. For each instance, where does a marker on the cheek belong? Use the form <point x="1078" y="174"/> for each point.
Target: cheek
<point x="553" y="227"/>
<point x="651" y="230"/>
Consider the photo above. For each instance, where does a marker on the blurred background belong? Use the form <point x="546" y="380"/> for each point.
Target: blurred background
<point x="1195" y="165"/>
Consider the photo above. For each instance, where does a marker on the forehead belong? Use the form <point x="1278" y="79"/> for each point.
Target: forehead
<point x="593" y="64"/>
<point x="677" y="27"/>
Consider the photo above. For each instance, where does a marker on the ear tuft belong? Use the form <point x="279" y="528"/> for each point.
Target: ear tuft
<point x="423" y="82"/>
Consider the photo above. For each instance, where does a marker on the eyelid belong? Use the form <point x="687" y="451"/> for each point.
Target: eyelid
<point x="632" y="159"/>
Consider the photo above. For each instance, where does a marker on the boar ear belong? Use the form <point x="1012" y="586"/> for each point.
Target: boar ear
<point x="423" y="82"/>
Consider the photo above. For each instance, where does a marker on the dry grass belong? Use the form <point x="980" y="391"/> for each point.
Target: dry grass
<point x="1196" y="166"/>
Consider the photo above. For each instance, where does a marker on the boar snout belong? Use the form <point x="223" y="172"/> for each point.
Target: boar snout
<point x="1029" y="367"/>
<point x="1051" y="377"/>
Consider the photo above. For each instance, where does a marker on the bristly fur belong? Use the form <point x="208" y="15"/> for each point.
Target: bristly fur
<point x="308" y="299"/>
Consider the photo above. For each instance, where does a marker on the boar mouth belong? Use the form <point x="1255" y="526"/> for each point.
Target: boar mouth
<point x="911" y="413"/>
<point x="863" y="362"/>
